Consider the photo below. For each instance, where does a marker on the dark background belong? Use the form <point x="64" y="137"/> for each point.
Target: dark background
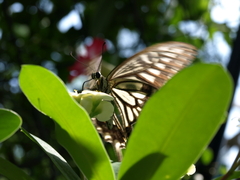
<point x="29" y="34"/>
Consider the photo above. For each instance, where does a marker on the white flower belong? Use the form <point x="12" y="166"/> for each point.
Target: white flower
<point x="97" y="104"/>
<point x="191" y="170"/>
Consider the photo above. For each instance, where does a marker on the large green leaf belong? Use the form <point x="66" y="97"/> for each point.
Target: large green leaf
<point x="177" y="123"/>
<point x="10" y="122"/>
<point x="57" y="159"/>
<point x="11" y="171"/>
<point x="74" y="129"/>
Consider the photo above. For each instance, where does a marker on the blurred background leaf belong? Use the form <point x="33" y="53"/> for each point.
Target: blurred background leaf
<point x="45" y="32"/>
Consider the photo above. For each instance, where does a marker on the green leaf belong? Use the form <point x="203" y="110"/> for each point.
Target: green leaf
<point x="74" y="129"/>
<point x="177" y="124"/>
<point x="11" y="171"/>
<point x="57" y="159"/>
<point x="10" y="122"/>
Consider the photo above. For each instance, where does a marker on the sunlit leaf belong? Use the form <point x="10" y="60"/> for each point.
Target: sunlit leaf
<point x="10" y="122"/>
<point x="74" y="128"/>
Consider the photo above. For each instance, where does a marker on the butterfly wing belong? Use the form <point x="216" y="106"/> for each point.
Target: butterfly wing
<point x="137" y="78"/>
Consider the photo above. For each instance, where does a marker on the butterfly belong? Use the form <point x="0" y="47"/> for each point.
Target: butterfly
<point x="134" y="81"/>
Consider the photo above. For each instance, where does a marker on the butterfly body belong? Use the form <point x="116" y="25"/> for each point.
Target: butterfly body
<point x="100" y="84"/>
<point x="134" y="81"/>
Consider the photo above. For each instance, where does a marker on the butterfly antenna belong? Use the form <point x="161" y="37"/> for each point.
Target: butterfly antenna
<point x="100" y="64"/>
<point x="71" y="54"/>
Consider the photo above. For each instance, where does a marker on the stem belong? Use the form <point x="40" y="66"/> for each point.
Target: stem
<point x="234" y="166"/>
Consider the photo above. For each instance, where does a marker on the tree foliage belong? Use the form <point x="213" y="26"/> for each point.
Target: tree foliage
<point x="30" y="34"/>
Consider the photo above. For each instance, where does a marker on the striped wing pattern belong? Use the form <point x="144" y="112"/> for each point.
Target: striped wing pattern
<point x="136" y="79"/>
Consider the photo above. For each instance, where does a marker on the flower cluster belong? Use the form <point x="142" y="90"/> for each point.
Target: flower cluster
<point x="98" y="104"/>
